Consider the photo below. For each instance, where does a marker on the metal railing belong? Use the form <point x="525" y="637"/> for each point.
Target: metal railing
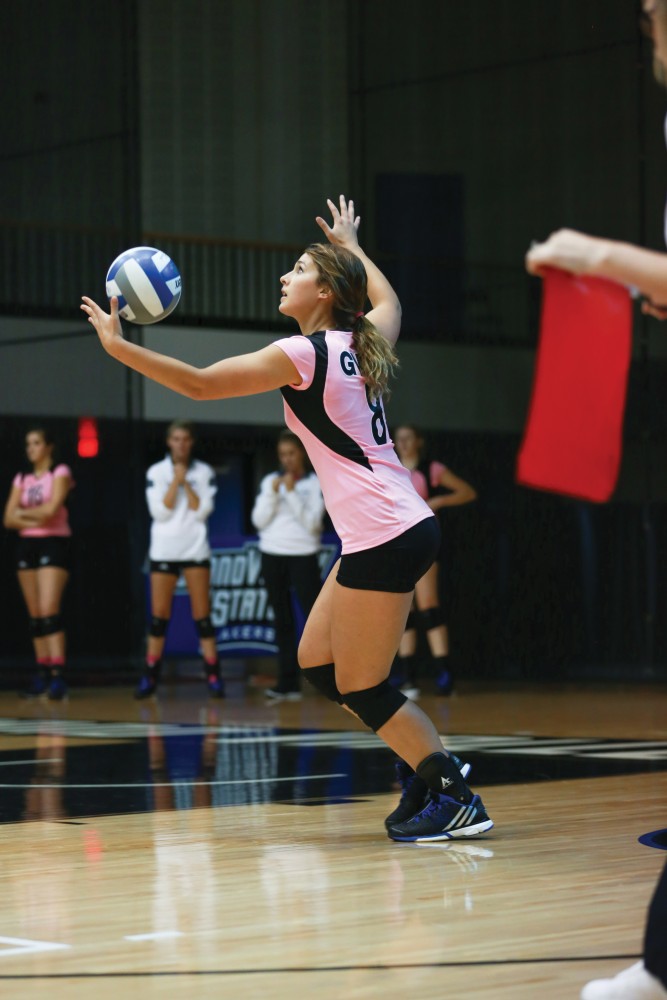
<point x="44" y="270"/>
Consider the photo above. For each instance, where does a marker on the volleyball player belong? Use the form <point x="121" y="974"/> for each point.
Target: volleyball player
<point x="36" y="509"/>
<point x="646" y="270"/>
<point x="180" y="492"/>
<point x="332" y="378"/>
<point x="440" y="488"/>
<point x="287" y="513"/>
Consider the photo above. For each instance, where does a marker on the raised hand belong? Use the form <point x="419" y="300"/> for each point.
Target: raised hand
<point x="567" y="250"/>
<point x="345" y="224"/>
<point x="107" y="325"/>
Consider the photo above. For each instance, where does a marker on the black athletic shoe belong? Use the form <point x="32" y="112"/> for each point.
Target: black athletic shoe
<point x="57" y="688"/>
<point x="415" y="792"/>
<point x="444" y="818"/>
<point x="146" y="687"/>
<point x="444" y="682"/>
<point x="215" y="685"/>
<point x="37" y="686"/>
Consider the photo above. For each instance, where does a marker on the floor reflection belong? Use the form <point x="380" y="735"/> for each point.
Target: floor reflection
<point x="74" y="768"/>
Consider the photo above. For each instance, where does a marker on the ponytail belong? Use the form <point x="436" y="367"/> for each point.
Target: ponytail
<point x="345" y="275"/>
<point x="376" y="356"/>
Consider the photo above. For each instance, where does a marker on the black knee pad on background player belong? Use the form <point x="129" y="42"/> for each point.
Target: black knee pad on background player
<point x="205" y="628"/>
<point x="35" y="628"/>
<point x="158" y="627"/>
<point x="49" y="625"/>
<point x="375" y="706"/>
<point x="411" y="622"/>
<point x="431" y="618"/>
<point x="324" y="679"/>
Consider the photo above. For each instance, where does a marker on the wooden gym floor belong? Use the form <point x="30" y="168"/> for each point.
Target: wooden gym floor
<point x="185" y="848"/>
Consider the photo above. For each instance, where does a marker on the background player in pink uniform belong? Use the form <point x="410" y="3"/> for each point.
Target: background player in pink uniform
<point x="36" y="509"/>
<point x="332" y="377"/>
<point x="646" y="270"/>
<point x="440" y="488"/>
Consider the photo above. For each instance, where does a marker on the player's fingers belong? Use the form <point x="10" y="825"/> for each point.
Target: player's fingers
<point x="350" y="210"/>
<point x="334" y="210"/>
<point x="357" y="221"/>
<point x="323" y="225"/>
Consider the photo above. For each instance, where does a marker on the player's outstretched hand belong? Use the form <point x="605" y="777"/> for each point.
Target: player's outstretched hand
<point x="567" y="250"/>
<point x="107" y="325"/>
<point x="345" y="224"/>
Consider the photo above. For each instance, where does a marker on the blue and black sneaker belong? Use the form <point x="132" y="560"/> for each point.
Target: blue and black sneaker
<point x="215" y="685"/>
<point x="443" y="818"/>
<point x="146" y="687"/>
<point x="414" y="790"/>
<point x="37" y="686"/>
<point x="57" y="688"/>
<point x="444" y="682"/>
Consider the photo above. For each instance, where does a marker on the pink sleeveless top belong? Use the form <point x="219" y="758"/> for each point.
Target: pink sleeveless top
<point x="368" y="493"/>
<point x="36" y="490"/>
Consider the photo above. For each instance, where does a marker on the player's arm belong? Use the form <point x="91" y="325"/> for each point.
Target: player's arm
<point x="622" y="262"/>
<point x="386" y="312"/>
<point x="45" y="511"/>
<point x="460" y="491"/>
<point x="245" y="375"/>
<point x="11" y="518"/>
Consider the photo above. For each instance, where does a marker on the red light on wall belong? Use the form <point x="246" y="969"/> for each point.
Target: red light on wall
<point x="88" y="444"/>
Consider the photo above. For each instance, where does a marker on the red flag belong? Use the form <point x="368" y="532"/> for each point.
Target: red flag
<point x="573" y="437"/>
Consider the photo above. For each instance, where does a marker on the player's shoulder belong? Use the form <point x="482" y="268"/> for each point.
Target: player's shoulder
<point x="157" y="467"/>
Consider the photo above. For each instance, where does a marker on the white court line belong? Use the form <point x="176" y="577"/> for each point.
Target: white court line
<point x="157" y="936"/>
<point x="180" y="782"/>
<point x="28" y="947"/>
<point x="35" y="760"/>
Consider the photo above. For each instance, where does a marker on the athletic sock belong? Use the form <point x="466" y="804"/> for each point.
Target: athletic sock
<point x="212" y="666"/>
<point x="407" y="666"/>
<point x="443" y="777"/>
<point x="56" y="665"/>
<point x="153" y="666"/>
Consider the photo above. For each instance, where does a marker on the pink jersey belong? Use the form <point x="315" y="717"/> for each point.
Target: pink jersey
<point x="424" y="485"/>
<point x="36" y="490"/>
<point x="368" y="493"/>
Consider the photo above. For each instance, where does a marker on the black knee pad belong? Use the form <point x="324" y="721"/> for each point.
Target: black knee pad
<point x="158" y="626"/>
<point x="431" y="618"/>
<point x="35" y="625"/>
<point x="49" y="625"/>
<point x="375" y="706"/>
<point x="324" y="679"/>
<point x="205" y="628"/>
<point x="411" y="622"/>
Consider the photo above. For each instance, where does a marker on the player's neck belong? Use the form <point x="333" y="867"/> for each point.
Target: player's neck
<point x="319" y="319"/>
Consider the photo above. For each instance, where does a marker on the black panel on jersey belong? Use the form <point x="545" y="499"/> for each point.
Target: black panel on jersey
<point x="308" y="406"/>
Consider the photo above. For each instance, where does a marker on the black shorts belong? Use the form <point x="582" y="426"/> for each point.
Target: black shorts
<point x="395" y="566"/>
<point x="176" y="566"/>
<point x="37" y="553"/>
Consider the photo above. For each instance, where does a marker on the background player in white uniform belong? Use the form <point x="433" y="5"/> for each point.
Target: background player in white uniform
<point x="36" y="510"/>
<point x="180" y="492"/>
<point x="646" y="270"/>
<point x="332" y="377"/>
<point x="287" y="513"/>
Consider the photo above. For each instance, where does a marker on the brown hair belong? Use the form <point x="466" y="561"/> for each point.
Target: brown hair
<point x="182" y="425"/>
<point x="343" y="272"/>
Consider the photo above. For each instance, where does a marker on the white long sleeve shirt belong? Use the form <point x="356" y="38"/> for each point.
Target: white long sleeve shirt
<point x="289" y="522"/>
<point x="180" y="534"/>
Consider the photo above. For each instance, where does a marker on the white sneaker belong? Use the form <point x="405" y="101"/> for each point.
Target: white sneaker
<point x="275" y="694"/>
<point x="634" y="983"/>
<point x="411" y="691"/>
